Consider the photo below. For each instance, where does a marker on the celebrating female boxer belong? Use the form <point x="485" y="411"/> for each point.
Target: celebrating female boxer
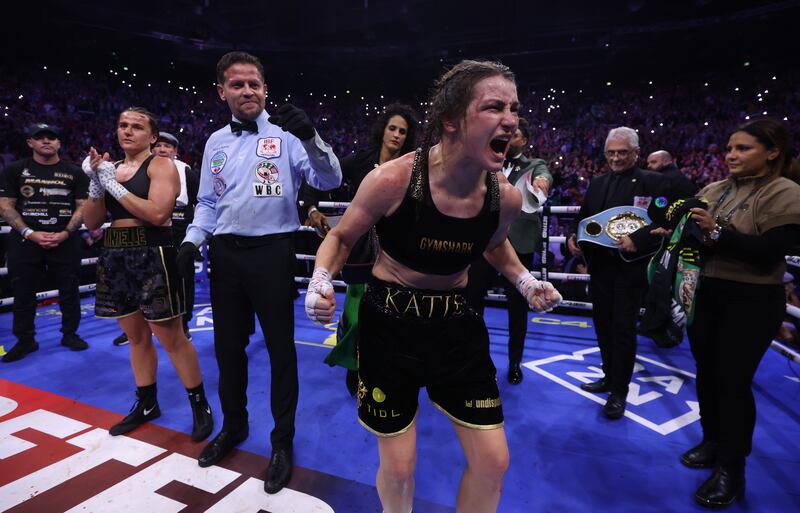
<point x="436" y="211"/>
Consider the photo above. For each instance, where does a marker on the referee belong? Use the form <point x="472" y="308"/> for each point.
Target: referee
<point x="251" y="172"/>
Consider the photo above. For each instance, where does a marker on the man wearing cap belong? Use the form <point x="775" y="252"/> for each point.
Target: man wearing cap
<point x="529" y="176"/>
<point x="182" y="216"/>
<point x="42" y="199"/>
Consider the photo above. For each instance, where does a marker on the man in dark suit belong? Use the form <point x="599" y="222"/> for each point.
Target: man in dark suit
<point x="680" y="186"/>
<point x="617" y="284"/>
<point x="525" y="235"/>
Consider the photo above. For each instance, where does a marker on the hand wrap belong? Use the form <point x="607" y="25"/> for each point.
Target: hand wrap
<point x="540" y="295"/>
<point x="319" y="286"/>
<point x="95" y="187"/>
<point x="107" y="175"/>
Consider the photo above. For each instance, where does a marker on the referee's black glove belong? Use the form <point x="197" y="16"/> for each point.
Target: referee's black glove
<point x="185" y="260"/>
<point x="293" y="120"/>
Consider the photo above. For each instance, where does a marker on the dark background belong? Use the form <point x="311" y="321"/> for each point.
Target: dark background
<point x="400" y="46"/>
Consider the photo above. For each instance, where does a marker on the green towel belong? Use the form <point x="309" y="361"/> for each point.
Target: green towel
<point x="345" y="352"/>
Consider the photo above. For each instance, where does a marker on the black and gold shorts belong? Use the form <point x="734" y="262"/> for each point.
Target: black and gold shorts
<point x="137" y="271"/>
<point x="412" y="338"/>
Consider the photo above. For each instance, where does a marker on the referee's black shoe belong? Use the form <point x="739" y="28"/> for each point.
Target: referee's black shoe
<point x="279" y="471"/>
<point x="202" y="422"/>
<point x="142" y="411"/>
<point x="20" y="349"/>
<point x="221" y="445"/>
<point x="121" y="340"/>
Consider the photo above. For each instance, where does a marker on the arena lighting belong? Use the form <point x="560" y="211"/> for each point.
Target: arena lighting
<point x="44" y="67"/>
<point x="608" y="84"/>
<point x="735" y="88"/>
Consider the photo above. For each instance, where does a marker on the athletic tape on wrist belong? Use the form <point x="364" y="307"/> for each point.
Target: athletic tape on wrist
<point x="319" y="285"/>
<point x="107" y="175"/>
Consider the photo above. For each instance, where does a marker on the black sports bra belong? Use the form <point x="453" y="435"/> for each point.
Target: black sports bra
<point x="423" y="239"/>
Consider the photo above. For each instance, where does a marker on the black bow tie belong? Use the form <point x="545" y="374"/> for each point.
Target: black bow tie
<point x="250" y="126"/>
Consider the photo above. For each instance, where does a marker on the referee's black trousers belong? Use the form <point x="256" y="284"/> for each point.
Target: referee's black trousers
<point x="27" y="263"/>
<point x="255" y="274"/>
<point x="734" y="324"/>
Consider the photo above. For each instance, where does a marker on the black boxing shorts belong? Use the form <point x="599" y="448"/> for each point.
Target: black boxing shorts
<point x="412" y="338"/>
<point x="137" y="271"/>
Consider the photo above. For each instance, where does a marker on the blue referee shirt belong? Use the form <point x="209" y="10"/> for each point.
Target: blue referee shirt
<point x="249" y="182"/>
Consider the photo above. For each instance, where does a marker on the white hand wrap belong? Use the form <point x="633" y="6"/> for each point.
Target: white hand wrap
<point x="95" y="187"/>
<point x="552" y="297"/>
<point x="87" y="168"/>
<point x="529" y="287"/>
<point x="107" y="174"/>
<point x="540" y="295"/>
<point x="319" y="285"/>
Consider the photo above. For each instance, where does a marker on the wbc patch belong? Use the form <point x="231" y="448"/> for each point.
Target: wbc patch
<point x="269" y="147"/>
<point x="217" y="162"/>
<point x="268" y="184"/>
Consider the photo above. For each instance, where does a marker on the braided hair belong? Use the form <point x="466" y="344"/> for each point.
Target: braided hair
<point x="451" y="95"/>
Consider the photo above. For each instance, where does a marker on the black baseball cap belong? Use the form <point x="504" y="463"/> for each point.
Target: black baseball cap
<point x="167" y="137"/>
<point x="42" y="128"/>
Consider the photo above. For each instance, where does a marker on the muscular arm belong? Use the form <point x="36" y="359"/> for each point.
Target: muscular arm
<point x="77" y="216"/>
<point x="8" y="209"/>
<point x="156" y="209"/>
<point x="94" y="213"/>
<point x="380" y="192"/>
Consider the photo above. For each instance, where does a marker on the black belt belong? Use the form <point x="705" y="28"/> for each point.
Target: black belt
<point x="137" y="236"/>
<point x="245" y="241"/>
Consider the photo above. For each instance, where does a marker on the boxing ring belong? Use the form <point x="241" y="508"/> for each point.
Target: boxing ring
<point x="541" y="273"/>
<point x="556" y="433"/>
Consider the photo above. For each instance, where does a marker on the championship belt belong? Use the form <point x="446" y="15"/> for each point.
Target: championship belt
<point x="609" y="226"/>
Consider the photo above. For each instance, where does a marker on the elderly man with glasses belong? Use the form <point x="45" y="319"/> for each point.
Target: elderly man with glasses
<point x="618" y="275"/>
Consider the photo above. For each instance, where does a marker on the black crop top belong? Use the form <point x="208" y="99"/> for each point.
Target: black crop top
<point x="138" y="184"/>
<point x="423" y="239"/>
